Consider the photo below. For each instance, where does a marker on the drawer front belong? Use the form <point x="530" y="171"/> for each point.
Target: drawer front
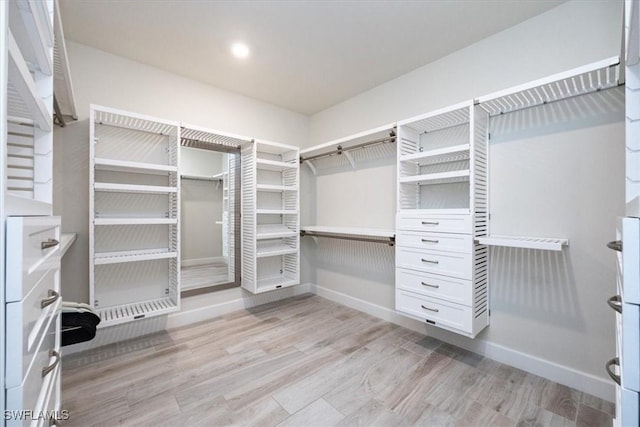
<point x="629" y="407"/>
<point x="446" y="263"/>
<point x="459" y="291"/>
<point x="436" y="223"/>
<point x="27" y="261"/>
<point x="449" y="242"/>
<point x="52" y="402"/>
<point x="630" y="357"/>
<point x="434" y="311"/>
<point x="32" y="392"/>
<point x="29" y="323"/>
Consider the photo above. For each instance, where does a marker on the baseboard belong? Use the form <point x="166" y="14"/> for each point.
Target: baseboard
<point x="561" y="374"/>
<point x="200" y="261"/>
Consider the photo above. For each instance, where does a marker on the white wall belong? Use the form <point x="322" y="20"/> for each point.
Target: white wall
<point x="113" y="81"/>
<point x="548" y="309"/>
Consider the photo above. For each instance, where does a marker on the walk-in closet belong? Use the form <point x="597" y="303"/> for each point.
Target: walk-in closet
<point x="326" y="213"/>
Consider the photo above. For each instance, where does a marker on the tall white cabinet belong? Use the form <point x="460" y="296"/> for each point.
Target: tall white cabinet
<point x="134" y="212"/>
<point x="441" y="273"/>
<point x="30" y="268"/>
<point x="270" y="216"/>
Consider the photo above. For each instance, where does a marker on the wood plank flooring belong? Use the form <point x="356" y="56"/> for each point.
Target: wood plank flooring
<point x="198" y="276"/>
<point x="307" y="361"/>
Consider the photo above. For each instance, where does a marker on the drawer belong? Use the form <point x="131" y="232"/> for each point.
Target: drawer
<point x="32" y="392"/>
<point x="28" y="324"/>
<point x="446" y="263"/>
<point x="52" y="402"/>
<point x="436" y="223"/>
<point x="459" y="291"/>
<point x="434" y="311"/>
<point x="27" y="261"/>
<point x="629" y="407"/>
<point x="630" y="357"/>
<point x="435" y="241"/>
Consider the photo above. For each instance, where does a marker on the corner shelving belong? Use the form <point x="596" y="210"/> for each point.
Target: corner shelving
<point x="270" y="216"/>
<point x="134" y="216"/>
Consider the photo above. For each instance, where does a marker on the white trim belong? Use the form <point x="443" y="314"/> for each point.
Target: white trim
<point x="565" y="375"/>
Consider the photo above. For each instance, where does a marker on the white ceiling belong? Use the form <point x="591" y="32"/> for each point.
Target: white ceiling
<point x="306" y="55"/>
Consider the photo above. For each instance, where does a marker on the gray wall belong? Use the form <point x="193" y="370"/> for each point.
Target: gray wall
<point x="564" y="180"/>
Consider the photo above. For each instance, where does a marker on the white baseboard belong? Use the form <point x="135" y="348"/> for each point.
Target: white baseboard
<point x="200" y="261"/>
<point x="565" y="375"/>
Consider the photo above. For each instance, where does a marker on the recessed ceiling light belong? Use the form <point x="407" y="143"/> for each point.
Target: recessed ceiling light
<point x="240" y="50"/>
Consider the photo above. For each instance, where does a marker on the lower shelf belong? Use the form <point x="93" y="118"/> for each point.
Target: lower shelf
<point x="138" y="310"/>
<point x="545" y="243"/>
<point x="133" y="256"/>
<point x="276" y="282"/>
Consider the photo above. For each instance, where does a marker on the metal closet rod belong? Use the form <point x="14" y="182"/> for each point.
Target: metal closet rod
<point x="339" y="150"/>
<point x="390" y="240"/>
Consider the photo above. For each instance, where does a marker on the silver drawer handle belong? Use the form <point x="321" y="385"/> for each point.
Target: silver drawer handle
<point x="430" y="241"/>
<point x="49" y="243"/>
<point x="615" y="361"/>
<point x="615" y="302"/>
<point x="616" y="245"/>
<point x="48" y="369"/>
<point x="430" y="285"/>
<point x="430" y="261"/>
<point x="435" y="310"/>
<point x="53" y="297"/>
<point x="430" y="222"/>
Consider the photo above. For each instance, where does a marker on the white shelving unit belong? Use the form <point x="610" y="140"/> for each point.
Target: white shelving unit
<point x="270" y="216"/>
<point x="441" y="275"/>
<point x="134" y="216"/>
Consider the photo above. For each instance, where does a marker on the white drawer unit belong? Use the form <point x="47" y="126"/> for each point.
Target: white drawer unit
<point x="630" y="356"/>
<point x="435" y="223"/>
<point x="34" y="249"/>
<point x="631" y="271"/>
<point x="441" y="273"/>
<point x="436" y="286"/>
<point x="446" y="263"/>
<point x="448" y="242"/>
<point x="29" y="325"/>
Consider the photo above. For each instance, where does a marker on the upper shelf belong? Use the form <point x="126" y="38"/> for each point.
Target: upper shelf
<point x="274" y="165"/>
<point x="441" y="155"/>
<point x="437" y="178"/>
<point x="198" y="137"/>
<point x="138" y="122"/>
<point x="275" y="188"/>
<point x="136" y="167"/>
<point x="30" y="24"/>
<point x="62" y="86"/>
<point x="132" y="188"/>
<point x="545" y="243"/>
<point x="578" y="81"/>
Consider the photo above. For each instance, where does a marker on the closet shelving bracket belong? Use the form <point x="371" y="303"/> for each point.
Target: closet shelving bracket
<point x="344" y="146"/>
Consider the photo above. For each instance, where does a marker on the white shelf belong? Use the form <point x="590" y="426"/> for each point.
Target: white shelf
<point x="22" y="98"/>
<point x="545" y="243"/>
<point x="125" y="313"/>
<point x="268" y="248"/>
<point x="274" y="165"/>
<point x="437" y="178"/>
<point x="351" y="231"/>
<point x="33" y="29"/>
<point x="132" y="256"/>
<point x="134" y="221"/>
<point x="442" y="155"/>
<point x="130" y="188"/>
<point x="348" y="142"/>
<point x="274" y="231"/>
<point x="451" y="211"/>
<point x="280" y="281"/>
<point x="276" y="212"/>
<point x="135" y="167"/>
<point x="275" y="188"/>
<point x="66" y="240"/>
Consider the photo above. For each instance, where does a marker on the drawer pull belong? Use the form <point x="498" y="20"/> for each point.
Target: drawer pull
<point x="616" y="245"/>
<point x="615" y="361"/>
<point x="615" y="302"/>
<point x="430" y="285"/>
<point x="49" y="243"/>
<point x="430" y="222"/>
<point x="435" y="310"/>
<point x="48" y="369"/>
<point x="53" y="297"/>
<point x="430" y="261"/>
<point x="430" y="241"/>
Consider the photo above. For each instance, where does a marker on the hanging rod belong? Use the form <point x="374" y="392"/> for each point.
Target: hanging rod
<point x="339" y="149"/>
<point x="388" y="240"/>
<point x="201" y="178"/>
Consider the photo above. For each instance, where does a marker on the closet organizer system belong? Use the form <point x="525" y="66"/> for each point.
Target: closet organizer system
<point x="443" y="224"/>
<point x="31" y="50"/>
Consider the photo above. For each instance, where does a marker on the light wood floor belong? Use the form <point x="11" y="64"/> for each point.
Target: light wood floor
<point x="198" y="276"/>
<point x="306" y="361"/>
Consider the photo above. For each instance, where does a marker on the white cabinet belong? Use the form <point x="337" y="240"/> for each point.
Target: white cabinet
<point x="441" y="274"/>
<point x="32" y="315"/>
<point x="270" y="216"/>
<point x="134" y="213"/>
